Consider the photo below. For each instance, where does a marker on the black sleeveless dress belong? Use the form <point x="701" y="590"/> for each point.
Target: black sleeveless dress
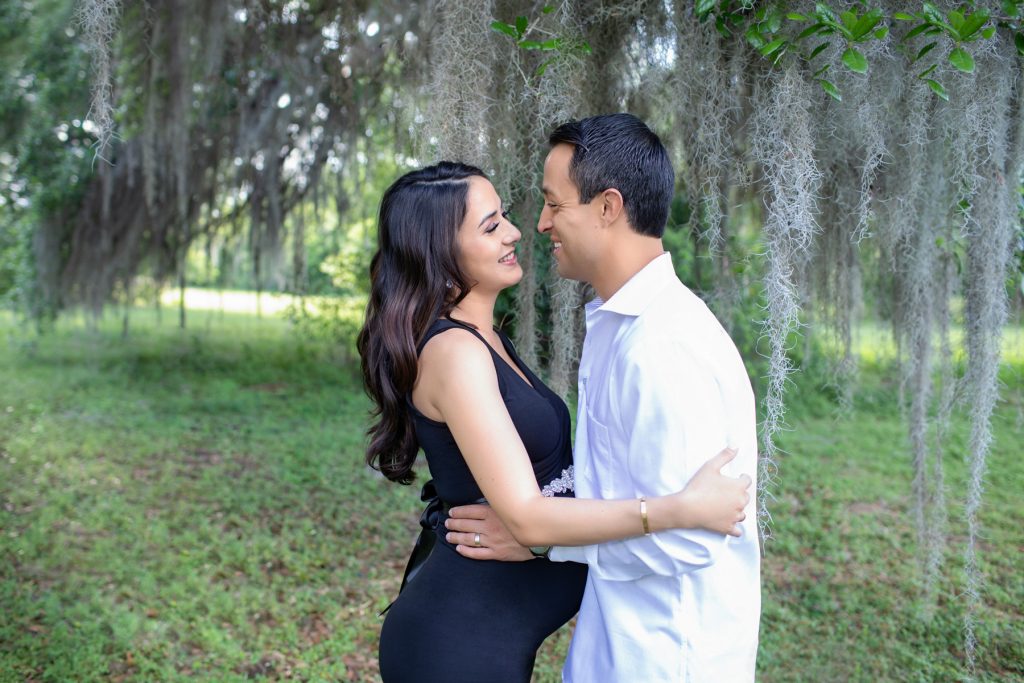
<point x="477" y="621"/>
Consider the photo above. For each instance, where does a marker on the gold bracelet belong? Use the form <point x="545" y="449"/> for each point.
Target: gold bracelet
<point x="643" y="516"/>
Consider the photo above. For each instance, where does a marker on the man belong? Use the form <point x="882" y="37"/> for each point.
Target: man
<point x="661" y="389"/>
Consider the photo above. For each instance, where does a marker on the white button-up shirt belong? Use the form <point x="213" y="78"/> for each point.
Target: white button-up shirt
<point x="662" y="389"/>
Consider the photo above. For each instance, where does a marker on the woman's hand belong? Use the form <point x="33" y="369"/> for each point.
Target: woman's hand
<point x="714" y="501"/>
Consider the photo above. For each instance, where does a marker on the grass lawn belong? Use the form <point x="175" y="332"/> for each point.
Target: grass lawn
<point x="192" y="505"/>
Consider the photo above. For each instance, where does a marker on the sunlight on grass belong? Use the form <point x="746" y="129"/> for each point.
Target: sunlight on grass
<point x="328" y="310"/>
<point x="873" y="342"/>
<point x="229" y="301"/>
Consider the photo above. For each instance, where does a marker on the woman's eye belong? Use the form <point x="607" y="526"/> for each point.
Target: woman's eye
<point x="492" y="227"/>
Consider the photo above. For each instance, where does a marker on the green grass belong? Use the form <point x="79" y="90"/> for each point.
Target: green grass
<point x="192" y="505"/>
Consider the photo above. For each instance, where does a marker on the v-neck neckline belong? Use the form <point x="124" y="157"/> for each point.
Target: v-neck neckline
<point x="517" y="369"/>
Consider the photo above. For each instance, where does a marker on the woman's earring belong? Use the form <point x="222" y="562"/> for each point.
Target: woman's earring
<point x="448" y="284"/>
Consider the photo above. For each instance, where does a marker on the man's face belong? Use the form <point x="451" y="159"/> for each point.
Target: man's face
<point x="574" y="228"/>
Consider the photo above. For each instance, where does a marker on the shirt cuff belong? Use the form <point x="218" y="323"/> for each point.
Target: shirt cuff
<point x="568" y="553"/>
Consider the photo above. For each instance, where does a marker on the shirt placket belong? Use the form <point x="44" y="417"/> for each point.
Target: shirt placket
<point x="581" y="463"/>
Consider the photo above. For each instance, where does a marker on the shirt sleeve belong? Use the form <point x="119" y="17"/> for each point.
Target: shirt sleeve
<point x="671" y="419"/>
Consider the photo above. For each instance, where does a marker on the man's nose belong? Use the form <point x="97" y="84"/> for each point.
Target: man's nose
<point x="544" y="222"/>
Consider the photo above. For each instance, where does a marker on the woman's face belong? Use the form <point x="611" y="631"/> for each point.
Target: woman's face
<point x="487" y="240"/>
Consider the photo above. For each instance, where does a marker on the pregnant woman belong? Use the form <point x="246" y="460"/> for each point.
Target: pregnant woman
<point x="445" y="380"/>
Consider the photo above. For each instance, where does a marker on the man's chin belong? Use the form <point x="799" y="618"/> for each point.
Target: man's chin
<point x="566" y="272"/>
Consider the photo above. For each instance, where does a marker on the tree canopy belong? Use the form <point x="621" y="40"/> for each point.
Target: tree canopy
<point x="829" y="154"/>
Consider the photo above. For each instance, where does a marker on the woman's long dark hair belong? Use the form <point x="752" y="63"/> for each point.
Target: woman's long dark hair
<point x="414" y="279"/>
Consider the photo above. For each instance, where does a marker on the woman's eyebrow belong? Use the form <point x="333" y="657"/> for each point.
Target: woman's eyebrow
<point x="492" y="214"/>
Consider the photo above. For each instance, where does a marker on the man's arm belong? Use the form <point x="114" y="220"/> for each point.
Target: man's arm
<point x="496" y="541"/>
<point x="671" y="413"/>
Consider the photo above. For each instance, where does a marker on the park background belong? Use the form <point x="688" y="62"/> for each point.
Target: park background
<point x="187" y="212"/>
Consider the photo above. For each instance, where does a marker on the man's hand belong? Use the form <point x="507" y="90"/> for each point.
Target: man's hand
<point x="496" y="543"/>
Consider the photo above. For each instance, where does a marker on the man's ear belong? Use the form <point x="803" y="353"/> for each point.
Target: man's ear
<point x="611" y="206"/>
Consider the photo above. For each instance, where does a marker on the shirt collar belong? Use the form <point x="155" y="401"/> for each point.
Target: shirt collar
<point x="634" y="296"/>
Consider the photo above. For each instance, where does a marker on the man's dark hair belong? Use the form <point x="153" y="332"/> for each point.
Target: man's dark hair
<point x="619" y="151"/>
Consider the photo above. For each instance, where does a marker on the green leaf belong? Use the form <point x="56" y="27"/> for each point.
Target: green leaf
<point x="953" y="33"/>
<point x="1011" y="8"/>
<point x="585" y="48"/>
<point x="830" y="88"/>
<point x="772" y="46"/>
<point x="972" y="23"/>
<point x="903" y="16"/>
<point x="927" y="71"/>
<point x="774" y="20"/>
<point x="754" y="37"/>
<point x="825" y="13"/>
<point x="1018" y="40"/>
<point x="521" y="24"/>
<point x="810" y="31"/>
<point x="882" y="33"/>
<point x="924" y="50"/>
<point x="937" y="88"/>
<point x="704" y="8"/>
<point x="825" y="67"/>
<point x="722" y="28"/>
<point x="547" y="9"/>
<point x="530" y="44"/>
<point x="544" y="66"/>
<point x="956" y="19"/>
<point x="849" y="19"/>
<point x="817" y="51"/>
<point x="867" y="23"/>
<point x="932" y="13"/>
<point x="855" y="60"/>
<point x="502" y="27"/>
<point x="962" y="60"/>
<point x="989" y="32"/>
<point x="553" y="44"/>
<point x="916" y="31"/>
<point x="793" y="16"/>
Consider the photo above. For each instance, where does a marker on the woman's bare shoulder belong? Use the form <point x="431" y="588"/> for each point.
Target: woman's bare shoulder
<point x="455" y="351"/>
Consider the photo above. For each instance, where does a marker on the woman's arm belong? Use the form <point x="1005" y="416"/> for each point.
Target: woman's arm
<point x="716" y="502"/>
<point x="459" y="382"/>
